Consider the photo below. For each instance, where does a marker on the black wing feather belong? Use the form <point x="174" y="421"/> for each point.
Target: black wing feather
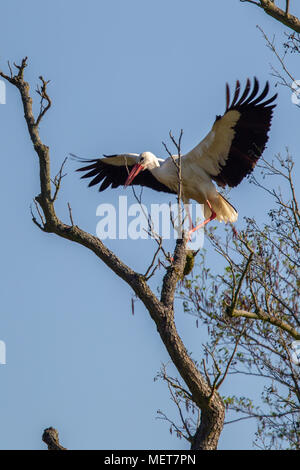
<point x="251" y="133"/>
<point x="115" y="176"/>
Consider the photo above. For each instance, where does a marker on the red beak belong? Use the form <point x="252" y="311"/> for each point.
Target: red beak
<point x="134" y="172"/>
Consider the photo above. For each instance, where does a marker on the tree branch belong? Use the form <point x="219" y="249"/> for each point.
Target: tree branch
<point x="42" y="91"/>
<point x="269" y="319"/>
<point x="280" y="15"/>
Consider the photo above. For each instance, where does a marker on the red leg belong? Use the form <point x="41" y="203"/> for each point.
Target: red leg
<point x="212" y="217"/>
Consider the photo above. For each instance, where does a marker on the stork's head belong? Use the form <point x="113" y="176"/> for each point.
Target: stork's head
<point x="147" y="161"/>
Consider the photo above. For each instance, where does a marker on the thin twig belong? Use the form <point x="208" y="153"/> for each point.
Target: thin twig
<point x="70" y="214"/>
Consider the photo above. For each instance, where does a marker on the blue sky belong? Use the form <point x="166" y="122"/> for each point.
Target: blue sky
<point x="122" y="75"/>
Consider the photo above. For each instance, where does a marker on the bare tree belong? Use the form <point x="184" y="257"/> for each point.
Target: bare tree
<point x="161" y="309"/>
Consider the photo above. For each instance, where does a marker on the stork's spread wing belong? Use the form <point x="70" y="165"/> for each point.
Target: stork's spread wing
<point x="238" y="138"/>
<point x="113" y="170"/>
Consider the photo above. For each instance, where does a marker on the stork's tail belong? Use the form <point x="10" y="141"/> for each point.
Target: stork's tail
<point x="225" y="212"/>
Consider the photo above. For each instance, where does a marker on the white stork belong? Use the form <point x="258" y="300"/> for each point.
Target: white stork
<point x="226" y="155"/>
